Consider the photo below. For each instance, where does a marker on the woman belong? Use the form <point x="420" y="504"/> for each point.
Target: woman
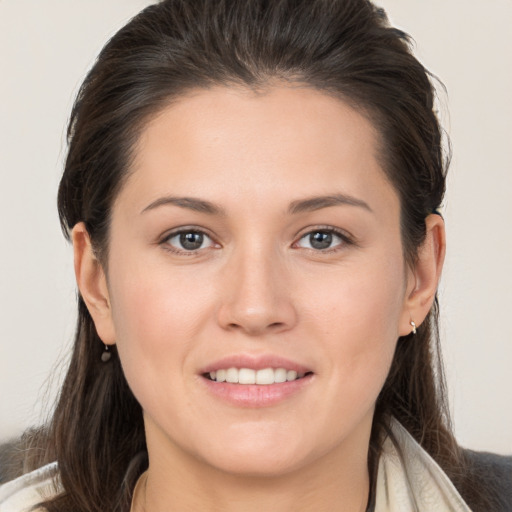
<point x="252" y="191"/>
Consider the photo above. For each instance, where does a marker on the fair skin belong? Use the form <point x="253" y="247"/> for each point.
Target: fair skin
<point x="266" y="277"/>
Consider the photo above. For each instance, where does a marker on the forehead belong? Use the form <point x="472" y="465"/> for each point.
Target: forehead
<point x="229" y="142"/>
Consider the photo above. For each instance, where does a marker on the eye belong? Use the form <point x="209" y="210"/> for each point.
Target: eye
<point x="188" y="241"/>
<point x="321" y="240"/>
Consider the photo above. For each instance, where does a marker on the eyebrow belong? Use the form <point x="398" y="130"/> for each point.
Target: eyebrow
<point x="319" y="202"/>
<point x="299" y="206"/>
<point x="191" y="203"/>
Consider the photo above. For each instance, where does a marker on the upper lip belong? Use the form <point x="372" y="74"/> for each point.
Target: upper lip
<point x="254" y="362"/>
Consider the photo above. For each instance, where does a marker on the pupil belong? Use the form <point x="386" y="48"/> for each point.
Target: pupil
<point x="320" y="240"/>
<point x="191" y="241"/>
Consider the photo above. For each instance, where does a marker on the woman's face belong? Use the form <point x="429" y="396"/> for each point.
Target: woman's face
<point x="257" y="236"/>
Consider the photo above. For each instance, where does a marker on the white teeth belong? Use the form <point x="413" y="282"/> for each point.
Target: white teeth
<point x="291" y="375"/>
<point x="246" y="376"/>
<point x="232" y="375"/>
<point x="264" y="377"/>
<point x="280" y="375"/>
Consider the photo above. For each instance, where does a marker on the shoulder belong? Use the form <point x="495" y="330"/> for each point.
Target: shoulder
<point x="27" y="491"/>
<point x="495" y="473"/>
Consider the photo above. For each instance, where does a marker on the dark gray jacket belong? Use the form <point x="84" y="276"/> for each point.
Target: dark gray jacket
<point x="495" y="474"/>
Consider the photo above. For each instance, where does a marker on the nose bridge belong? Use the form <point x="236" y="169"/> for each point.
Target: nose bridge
<point x="257" y="298"/>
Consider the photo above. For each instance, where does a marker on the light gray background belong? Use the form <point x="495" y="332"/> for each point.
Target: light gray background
<point x="46" y="48"/>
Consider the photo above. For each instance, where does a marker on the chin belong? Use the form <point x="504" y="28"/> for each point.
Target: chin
<point x="258" y="465"/>
<point x="257" y="456"/>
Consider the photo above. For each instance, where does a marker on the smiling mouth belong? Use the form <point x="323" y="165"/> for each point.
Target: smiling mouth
<point x="264" y="377"/>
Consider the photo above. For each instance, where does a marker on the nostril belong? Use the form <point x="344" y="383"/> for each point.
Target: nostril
<point x="270" y="318"/>
<point x="272" y="326"/>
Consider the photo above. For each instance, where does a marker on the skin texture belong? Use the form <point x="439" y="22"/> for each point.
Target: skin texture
<point x="257" y="287"/>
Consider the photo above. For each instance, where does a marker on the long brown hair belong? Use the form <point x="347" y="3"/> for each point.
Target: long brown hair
<point x="343" y="47"/>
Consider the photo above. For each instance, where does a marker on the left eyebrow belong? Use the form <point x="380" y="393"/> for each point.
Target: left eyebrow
<point x="189" y="203"/>
<point x="319" y="202"/>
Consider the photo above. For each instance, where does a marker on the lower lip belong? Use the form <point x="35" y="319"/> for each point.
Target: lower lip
<point x="254" y="395"/>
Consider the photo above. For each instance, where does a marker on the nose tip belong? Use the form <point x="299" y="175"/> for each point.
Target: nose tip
<point x="255" y="321"/>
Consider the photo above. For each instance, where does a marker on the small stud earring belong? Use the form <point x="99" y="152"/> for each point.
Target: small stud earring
<point x="105" y="357"/>
<point x="413" y="327"/>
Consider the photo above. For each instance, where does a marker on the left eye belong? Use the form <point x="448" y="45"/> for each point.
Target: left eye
<point x="189" y="241"/>
<point x="320" y="240"/>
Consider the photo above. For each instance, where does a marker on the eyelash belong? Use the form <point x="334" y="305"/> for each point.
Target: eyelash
<point x="345" y="240"/>
<point x="165" y="241"/>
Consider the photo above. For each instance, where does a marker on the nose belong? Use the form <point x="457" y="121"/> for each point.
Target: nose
<point x="256" y="296"/>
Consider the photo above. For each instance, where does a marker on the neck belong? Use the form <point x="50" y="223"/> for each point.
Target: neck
<point x="337" y="481"/>
<point x="252" y="495"/>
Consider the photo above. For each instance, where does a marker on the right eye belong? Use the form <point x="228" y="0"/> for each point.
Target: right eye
<point x="188" y="241"/>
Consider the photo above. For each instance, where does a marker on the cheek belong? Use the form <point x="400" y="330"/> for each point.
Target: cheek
<point x="153" y="306"/>
<point x="357" y="314"/>
<point x="155" y="325"/>
<point x="156" y="315"/>
<point x="366" y="299"/>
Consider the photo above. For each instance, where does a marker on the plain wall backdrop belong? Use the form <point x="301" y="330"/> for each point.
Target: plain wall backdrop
<point x="46" y="47"/>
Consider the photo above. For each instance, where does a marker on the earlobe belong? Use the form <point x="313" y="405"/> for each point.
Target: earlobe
<point x="92" y="283"/>
<point x="424" y="278"/>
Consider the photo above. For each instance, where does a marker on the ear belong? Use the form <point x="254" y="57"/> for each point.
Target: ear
<point x="92" y="283"/>
<point x="423" y="279"/>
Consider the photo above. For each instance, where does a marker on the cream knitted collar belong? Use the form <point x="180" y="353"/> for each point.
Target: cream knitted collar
<point x="409" y="480"/>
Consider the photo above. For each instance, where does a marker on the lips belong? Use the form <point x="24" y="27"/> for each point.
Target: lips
<point x="255" y="381"/>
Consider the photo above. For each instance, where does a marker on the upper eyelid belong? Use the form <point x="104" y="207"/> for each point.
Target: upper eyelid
<point x="185" y="229"/>
<point x="343" y="239"/>
<point x="329" y="229"/>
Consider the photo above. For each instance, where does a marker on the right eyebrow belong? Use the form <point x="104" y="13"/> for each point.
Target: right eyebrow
<point x="319" y="202"/>
<point x="191" y="203"/>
